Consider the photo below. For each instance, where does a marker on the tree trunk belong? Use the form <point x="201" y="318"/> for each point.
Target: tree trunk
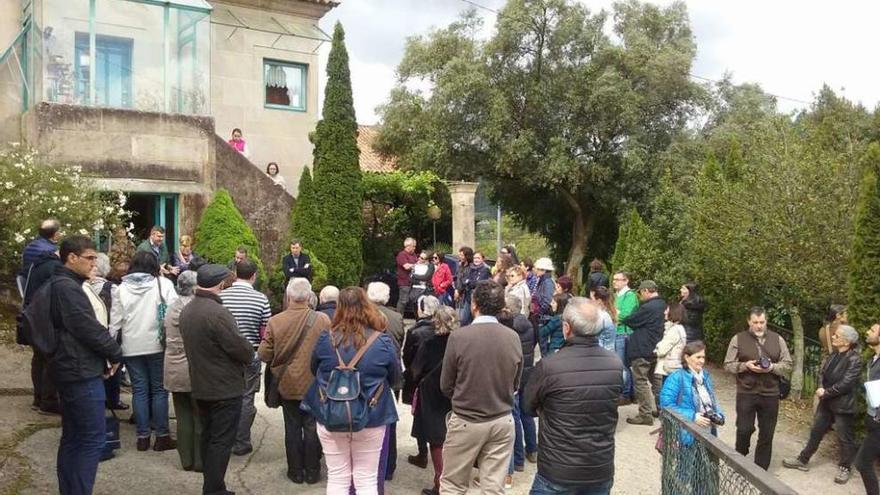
<point x="797" y="370"/>
<point x="581" y="229"/>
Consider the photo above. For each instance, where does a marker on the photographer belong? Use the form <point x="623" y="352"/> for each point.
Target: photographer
<point x="839" y="384"/>
<point x="760" y="359"/>
<point x="689" y="392"/>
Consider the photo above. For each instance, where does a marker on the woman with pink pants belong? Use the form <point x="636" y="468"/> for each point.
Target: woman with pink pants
<point x="354" y="456"/>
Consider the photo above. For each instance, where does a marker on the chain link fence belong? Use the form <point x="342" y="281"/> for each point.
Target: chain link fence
<point x="697" y="463"/>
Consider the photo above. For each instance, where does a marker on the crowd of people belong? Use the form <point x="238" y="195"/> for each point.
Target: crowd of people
<point x="503" y="365"/>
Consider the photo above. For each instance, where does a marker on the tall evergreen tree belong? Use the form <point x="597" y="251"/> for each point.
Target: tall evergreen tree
<point x="635" y="251"/>
<point x="337" y="185"/>
<point x="304" y="216"/>
<point x="864" y="275"/>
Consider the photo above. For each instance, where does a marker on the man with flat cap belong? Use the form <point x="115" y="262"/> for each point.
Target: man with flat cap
<point x="218" y="356"/>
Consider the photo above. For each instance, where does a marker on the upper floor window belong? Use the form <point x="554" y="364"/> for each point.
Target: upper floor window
<point x="285" y="84"/>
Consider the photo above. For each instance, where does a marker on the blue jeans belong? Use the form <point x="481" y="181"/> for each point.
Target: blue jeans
<point x="149" y="397"/>
<point x="524" y="430"/>
<point x="464" y="312"/>
<point x="620" y="349"/>
<point x="83" y="433"/>
<point x="543" y="486"/>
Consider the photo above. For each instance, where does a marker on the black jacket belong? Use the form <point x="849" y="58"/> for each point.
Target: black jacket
<point x="527" y="335"/>
<point x="694" y="307"/>
<point x="84" y="345"/>
<point x="575" y="392"/>
<point x="43" y="269"/>
<point x="429" y="418"/>
<point x="216" y="352"/>
<point x="423" y="329"/>
<point x="598" y="279"/>
<point x="647" y="326"/>
<point x="294" y="270"/>
<point x="841" y="377"/>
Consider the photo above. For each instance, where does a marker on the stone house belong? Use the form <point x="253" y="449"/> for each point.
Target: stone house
<point x="145" y="93"/>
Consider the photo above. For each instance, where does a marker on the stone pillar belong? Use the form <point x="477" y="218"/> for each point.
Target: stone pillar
<point x="463" y="218"/>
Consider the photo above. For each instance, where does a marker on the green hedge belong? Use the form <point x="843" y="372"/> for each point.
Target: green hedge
<point x="222" y="229"/>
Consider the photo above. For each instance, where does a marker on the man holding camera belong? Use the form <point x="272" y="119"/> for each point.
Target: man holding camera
<point x="760" y="359"/>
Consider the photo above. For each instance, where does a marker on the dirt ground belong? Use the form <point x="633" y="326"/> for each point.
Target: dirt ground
<point x="28" y="444"/>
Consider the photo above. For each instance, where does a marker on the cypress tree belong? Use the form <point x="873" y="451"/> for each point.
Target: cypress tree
<point x="222" y="230"/>
<point x="304" y="217"/>
<point x="635" y="251"/>
<point x="864" y="274"/>
<point x="337" y="185"/>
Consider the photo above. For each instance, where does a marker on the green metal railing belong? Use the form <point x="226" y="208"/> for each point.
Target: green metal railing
<point x="698" y="463"/>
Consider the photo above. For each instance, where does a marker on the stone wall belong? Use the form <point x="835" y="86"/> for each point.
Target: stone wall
<point x="125" y="144"/>
<point x="264" y="205"/>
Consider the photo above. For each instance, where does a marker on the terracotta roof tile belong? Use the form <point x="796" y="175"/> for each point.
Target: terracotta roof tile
<point x="370" y="159"/>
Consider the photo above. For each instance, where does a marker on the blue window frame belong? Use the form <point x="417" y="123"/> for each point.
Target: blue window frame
<point x="112" y="70"/>
<point x="284" y="85"/>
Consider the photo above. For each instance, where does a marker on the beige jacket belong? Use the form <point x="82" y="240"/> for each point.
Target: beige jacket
<point x="176" y="365"/>
<point x="277" y="348"/>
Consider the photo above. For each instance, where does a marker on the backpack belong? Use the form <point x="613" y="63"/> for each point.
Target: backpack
<point x="344" y="407"/>
<point x="37" y="321"/>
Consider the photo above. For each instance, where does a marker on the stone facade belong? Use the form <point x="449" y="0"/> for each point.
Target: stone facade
<point x="265" y="206"/>
<point x="237" y="80"/>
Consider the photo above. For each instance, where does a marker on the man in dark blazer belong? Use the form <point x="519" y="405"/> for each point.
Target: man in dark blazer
<point x="297" y="264"/>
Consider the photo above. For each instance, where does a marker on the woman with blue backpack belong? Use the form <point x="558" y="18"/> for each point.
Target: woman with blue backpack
<point x="355" y="364"/>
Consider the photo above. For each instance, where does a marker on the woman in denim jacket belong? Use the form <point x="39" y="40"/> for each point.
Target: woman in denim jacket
<point x="355" y="456"/>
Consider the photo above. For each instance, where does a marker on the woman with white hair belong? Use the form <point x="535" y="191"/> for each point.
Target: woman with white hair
<point x="839" y="381"/>
<point x="102" y="290"/>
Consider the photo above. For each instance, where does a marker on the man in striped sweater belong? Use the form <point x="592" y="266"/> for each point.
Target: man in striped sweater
<point x="251" y="311"/>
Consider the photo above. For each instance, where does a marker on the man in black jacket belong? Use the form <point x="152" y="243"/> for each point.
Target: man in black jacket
<point x="85" y="355"/>
<point x="218" y="356"/>
<point x="647" y="326"/>
<point x="297" y="264"/>
<point x="870" y="450"/>
<point x="575" y="392"/>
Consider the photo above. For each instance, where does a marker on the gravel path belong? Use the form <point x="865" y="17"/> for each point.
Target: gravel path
<point x="262" y="472"/>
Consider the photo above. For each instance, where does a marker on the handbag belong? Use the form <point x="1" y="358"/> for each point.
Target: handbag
<point x="660" y="444"/>
<point x="160" y="313"/>
<point x="272" y="397"/>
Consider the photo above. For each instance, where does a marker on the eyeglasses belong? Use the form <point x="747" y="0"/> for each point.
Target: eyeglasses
<point x="90" y="258"/>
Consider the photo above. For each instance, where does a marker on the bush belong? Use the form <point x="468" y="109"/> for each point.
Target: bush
<point x="222" y="230"/>
<point x="276" y="279"/>
<point x="31" y="192"/>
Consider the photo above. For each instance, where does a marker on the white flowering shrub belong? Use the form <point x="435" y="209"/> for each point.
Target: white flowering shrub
<point x="31" y="191"/>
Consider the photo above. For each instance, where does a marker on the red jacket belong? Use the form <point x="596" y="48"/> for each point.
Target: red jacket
<point x="442" y="279"/>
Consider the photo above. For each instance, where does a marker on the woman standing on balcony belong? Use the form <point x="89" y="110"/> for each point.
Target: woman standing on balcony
<point x="238" y="143"/>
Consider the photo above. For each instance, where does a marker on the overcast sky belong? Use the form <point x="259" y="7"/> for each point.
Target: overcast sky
<point x="788" y="47"/>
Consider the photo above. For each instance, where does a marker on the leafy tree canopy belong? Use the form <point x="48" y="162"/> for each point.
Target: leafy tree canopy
<point x="561" y="119"/>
